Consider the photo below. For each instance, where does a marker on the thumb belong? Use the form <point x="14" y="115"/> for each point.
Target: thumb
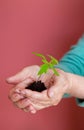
<point x="55" y="90"/>
<point x="17" y="77"/>
<point x="51" y="91"/>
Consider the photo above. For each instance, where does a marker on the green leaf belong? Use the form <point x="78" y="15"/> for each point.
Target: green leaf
<point x="40" y="55"/>
<point x="55" y="72"/>
<point x="54" y="61"/>
<point x="43" y="69"/>
<point x="45" y="61"/>
<point x="50" y="66"/>
<point x="47" y="64"/>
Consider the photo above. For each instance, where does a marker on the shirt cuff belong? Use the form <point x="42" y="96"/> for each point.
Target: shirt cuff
<point x="80" y="102"/>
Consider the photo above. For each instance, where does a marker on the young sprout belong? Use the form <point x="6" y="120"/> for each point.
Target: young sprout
<point x="47" y="64"/>
<point x="38" y="85"/>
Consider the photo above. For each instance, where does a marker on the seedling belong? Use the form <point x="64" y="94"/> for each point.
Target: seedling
<point x="39" y="86"/>
<point x="47" y="64"/>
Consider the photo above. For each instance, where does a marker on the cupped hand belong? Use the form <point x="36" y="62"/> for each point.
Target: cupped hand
<point x="21" y="80"/>
<point x="57" y="86"/>
<point x="33" y="101"/>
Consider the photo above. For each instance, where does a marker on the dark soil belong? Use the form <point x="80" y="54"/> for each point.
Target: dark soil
<point x="37" y="86"/>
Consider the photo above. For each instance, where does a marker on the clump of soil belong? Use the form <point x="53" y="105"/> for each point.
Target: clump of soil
<point x="37" y="86"/>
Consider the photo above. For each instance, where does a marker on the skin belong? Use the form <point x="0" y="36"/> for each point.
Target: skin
<point x="57" y="86"/>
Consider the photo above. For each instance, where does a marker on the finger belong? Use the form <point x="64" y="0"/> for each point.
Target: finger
<point x="18" y="77"/>
<point x="59" y="84"/>
<point x="30" y="109"/>
<point x="34" y="95"/>
<point x="15" y="94"/>
<point x="23" y="74"/>
<point x="23" y="103"/>
<point x="56" y="92"/>
<point x="39" y="99"/>
<point x="26" y="105"/>
<point x="23" y="84"/>
<point x="34" y="107"/>
<point x="19" y="87"/>
<point x="16" y="97"/>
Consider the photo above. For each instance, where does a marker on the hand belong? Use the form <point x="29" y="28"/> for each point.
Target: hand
<point x="57" y="86"/>
<point x="22" y="79"/>
<point x="32" y="101"/>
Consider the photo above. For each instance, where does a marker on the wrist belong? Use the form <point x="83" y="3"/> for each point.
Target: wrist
<point x="75" y="87"/>
<point x="69" y="83"/>
<point x="66" y="81"/>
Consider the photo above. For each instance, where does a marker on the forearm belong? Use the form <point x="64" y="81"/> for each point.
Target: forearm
<point x="77" y="86"/>
<point x="73" y="60"/>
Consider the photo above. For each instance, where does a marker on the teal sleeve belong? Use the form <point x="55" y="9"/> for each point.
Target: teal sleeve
<point x="73" y="62"/>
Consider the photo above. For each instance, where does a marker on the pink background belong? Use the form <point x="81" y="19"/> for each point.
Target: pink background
<point x="45" y="26"/>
